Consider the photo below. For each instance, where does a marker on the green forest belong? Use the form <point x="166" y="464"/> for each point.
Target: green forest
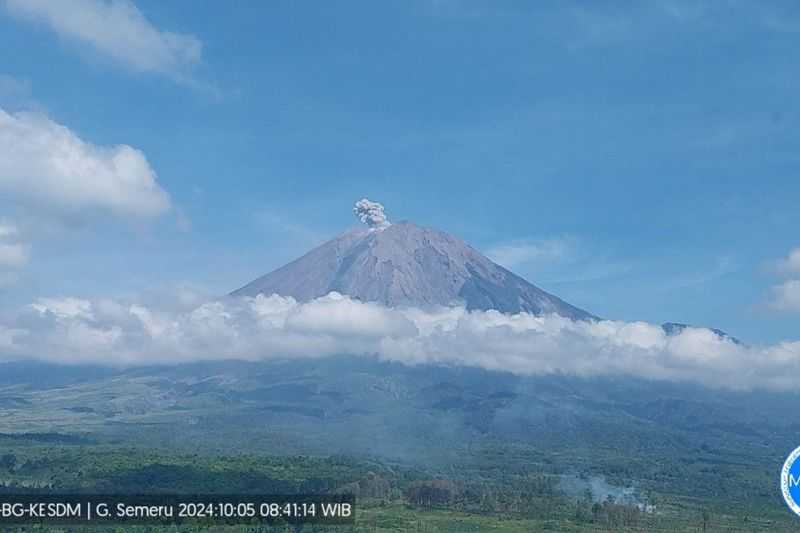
<point x="482" y="494"/>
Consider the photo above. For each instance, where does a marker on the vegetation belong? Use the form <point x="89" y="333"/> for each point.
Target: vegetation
<point x="423" y="449"/>
<point x="390" y="497"/>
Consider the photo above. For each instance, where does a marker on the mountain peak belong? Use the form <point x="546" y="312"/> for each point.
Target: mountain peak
<point x="404" y="264"/>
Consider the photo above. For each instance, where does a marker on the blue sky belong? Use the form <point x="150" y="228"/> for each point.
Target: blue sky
<point x="639" y="160"/>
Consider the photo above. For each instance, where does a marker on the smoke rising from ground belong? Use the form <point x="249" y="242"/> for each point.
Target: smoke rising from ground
<point x="118" y="333"/>
<point x="371" y="214"/>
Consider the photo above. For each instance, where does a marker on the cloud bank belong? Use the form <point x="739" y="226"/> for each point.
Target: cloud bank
<point x="112" y="332"/>
<point x="46" y="164"/>
<point x="115" y="29"/>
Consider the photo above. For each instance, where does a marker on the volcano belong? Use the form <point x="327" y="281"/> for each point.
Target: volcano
<point x="404" y="264"/>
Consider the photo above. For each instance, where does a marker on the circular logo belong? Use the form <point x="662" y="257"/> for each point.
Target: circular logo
<point x="790" y="481"/>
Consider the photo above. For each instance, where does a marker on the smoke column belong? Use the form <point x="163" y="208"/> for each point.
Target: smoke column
<point x="371" y="214"/>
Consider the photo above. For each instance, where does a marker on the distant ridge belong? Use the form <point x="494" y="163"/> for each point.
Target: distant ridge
<point x="676" y="328"/>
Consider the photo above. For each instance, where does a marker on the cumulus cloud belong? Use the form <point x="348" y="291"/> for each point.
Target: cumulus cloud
<point x="116" y="29"/>
<point x="371" y="213"/>
<point x="45" y="163"/>
<point x="265" y="327"/>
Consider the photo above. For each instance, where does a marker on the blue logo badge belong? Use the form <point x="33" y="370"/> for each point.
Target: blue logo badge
<point x="790" y="481"/>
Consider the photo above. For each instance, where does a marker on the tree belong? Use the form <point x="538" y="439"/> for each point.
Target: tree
<point x="432" y="493"/>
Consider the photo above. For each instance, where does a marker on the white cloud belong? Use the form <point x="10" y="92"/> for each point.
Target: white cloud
<point x="786" y="296"/>
<point x="47" y="164"/>
<point x="523" y="252"/>
<point x="65" y="308"/>
<point x="126" y="333"/>
<point x="116" y="29"/>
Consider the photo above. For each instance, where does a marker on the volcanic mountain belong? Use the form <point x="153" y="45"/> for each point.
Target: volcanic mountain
<point x="404" y="264"/>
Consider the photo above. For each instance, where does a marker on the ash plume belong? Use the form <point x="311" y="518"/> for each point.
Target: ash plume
<point x="371" y="214"/>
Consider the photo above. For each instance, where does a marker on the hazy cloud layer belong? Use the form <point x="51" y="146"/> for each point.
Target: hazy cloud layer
<point x="14" y="253"/>
<point x="116" y="29"/>
<point x="524" y="252"/>
<point x="124" y="333"/>
<point x="46" y="164"/>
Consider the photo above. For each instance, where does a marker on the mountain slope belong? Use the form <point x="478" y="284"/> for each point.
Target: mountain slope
<point x="408" y="265"/>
